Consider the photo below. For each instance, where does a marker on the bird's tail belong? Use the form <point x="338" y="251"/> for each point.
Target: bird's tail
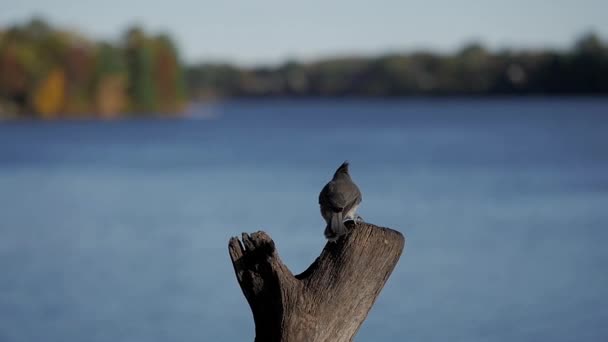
<point x="335" y="227"/>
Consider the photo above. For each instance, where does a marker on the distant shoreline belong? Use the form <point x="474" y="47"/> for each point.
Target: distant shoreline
<point x="195" y="109"/>
<point x="52" y="73"/>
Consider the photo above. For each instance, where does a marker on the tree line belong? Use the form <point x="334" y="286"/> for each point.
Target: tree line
<point x="472" y="71"/>
<point x="48" y="73"/>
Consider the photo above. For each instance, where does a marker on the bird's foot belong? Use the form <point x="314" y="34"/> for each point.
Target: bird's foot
<point x="350" y="223"/>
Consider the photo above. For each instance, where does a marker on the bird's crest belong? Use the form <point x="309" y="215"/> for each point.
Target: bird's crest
<point x="342" y="169"/>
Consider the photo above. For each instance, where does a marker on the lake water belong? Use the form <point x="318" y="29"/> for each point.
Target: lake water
<point x="118" y="231"/>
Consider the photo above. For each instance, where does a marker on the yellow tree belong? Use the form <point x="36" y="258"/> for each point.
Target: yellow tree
<point x="49" y="96"/>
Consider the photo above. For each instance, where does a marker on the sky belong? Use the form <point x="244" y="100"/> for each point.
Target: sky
<point x="272" y="31"/>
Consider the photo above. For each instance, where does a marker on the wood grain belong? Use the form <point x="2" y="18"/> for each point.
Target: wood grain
<point x="327" y="302"/>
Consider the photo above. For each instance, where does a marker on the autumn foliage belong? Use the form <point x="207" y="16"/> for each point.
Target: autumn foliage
<point x="50" y="73"/>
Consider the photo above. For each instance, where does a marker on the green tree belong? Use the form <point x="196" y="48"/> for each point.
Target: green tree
<point x="140" y="62"/>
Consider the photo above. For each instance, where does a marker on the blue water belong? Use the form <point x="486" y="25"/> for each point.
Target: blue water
<point x="118" y="231"/>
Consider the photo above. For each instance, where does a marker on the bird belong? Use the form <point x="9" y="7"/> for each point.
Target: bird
<point x="338" y="201"/>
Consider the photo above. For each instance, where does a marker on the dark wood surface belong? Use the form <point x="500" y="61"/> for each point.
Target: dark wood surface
<point x="327" y="302"/>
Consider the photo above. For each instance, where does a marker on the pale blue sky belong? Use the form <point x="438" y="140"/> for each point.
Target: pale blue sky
<point x="269" y="31"/>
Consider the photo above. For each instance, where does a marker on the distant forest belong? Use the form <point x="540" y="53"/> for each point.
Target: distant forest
<point x="49" y="72"/>
<point x="473" y="71"/>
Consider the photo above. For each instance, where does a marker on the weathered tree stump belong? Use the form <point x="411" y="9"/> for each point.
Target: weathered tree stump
<point x="328" y="301"/>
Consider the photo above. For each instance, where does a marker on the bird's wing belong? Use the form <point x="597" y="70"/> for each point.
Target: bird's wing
<point x="350" y="191"/>
<point x="352" y="195"/>
<point x="331" y="198"/>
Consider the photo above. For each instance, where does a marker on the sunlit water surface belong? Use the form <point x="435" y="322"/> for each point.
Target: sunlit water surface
<point x="117" y="231"/>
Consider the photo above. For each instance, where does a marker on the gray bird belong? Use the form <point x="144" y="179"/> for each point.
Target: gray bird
<point x="339" y="201"/>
